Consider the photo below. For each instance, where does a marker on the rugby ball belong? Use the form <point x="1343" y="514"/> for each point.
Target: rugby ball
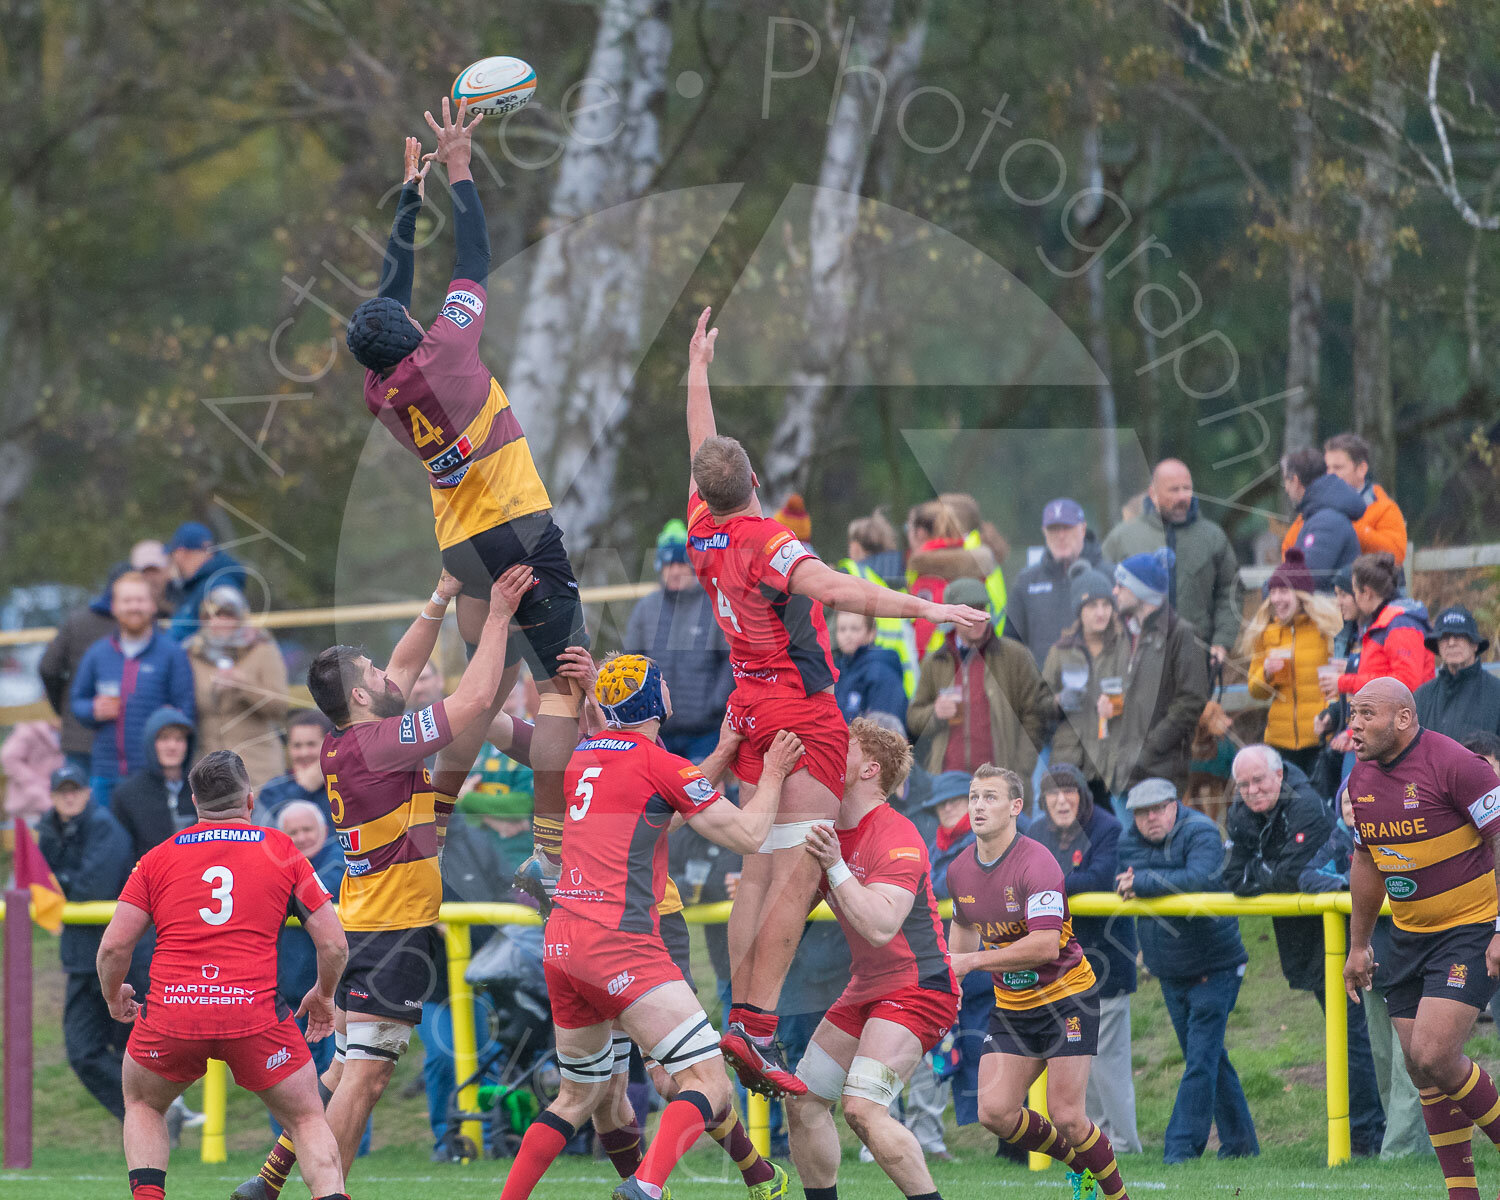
<point x="495" y="86"/>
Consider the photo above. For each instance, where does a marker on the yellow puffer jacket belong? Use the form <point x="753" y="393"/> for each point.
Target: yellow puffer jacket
<point x="1295" y="697"/>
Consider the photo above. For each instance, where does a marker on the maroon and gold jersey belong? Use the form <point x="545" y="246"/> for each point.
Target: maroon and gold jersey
<point x="442" y="404"/>
<point x="1020" y="892"/>
<point x="778" y="641"/>
<point x="218" y="893"/>
<point x="622" y="791"/>
<point x="384" y="810"/>
<point x="1424" y="820"/>
<point x="885" y="847"/>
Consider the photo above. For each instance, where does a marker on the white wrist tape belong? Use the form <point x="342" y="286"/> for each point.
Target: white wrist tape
<point x="838" y="873"/>
<point x="440" y="600"/>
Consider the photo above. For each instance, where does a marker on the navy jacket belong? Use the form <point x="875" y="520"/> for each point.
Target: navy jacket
<point x="870" y="680"/>
<point x="1039" y="603"/>
<point x="1461" y="704"/>
<point x="1090" y="864"/>
<point x="143" y="804"/>
<point x="1328" y="542"/>
<point x="1188" y="859"/>
<point x="942" y="860"/>
<point x="158" y="676"/>
<point x="90" y="855"/>
<point x="296" y="956"/>
<point x="280" y="792"/>
<point x="677" y="631"/>
<point x="219" y="569"/>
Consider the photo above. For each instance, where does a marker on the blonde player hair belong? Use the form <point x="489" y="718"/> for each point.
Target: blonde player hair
<point x="886" y="747"/>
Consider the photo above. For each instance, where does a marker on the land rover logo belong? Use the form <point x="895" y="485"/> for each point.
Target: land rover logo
<point x="1399" y="887"/>
<point x="1017" y="980"/>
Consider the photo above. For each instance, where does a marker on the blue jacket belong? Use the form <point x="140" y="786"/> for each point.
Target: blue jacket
<point x="942" y="860"/>
<point x="870" y="680"/>
<point x="296" y="956"/>
<point x="1188" y="859"/>
<point x="219" y="569"/>
<point x="1327" y="539"/>
<point x="1090" y="864"/>
<point x="158" y="676"/>
<point x="90" y="855"/>
<point x="678" y="632"/>
<point x="281" y="791"/>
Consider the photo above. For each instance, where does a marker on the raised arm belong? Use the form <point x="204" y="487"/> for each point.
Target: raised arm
<point x="398" y="269"/>
<point x="849" y="593"/>
<point x="476" y="690"/>
<point x="744" y="830"/>
<point x="471" y="235"/>
<point x="700" y="406"/>
<point x="415" y="648"/>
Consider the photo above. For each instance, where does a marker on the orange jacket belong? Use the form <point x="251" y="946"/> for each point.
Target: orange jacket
<point x="1382" y="527"/>
<point x="1296" y="698"/>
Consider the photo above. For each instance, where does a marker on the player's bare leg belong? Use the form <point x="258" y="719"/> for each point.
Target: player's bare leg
<point x="781" y="887"/>
<point x="620" y="1134"/>
<point x="295" y="1103"/>
<point x="874" y="1067"/>
<point x="360" y="1085"/>
<point x="147" y="1144"/>
<point x="586" y="1058"/>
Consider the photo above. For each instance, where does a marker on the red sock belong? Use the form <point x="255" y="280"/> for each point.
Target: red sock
<point x="543" y="1142"/>
<point x="682" y="1122"/>
<point x="1095" y="1154"/>
<point x="757" y="1022"/>
<point x="148" y="1183"/>
<point x="730" y="1133"/>
<point x="1480" y="1102"/>
<point x="624" y="1148"/>
<point x="1450" y="1131"/>
<point x="1037" y="1135"/>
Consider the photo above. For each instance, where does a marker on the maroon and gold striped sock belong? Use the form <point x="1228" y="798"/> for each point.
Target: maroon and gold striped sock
<point x="278" y="1165"/>
<point x="623" y="1146"/>
<point x="1450" y="1132"/>
<point x="1095" y="1154"/>
<point x="730" y="1133"/>
<point x="1037" y="1135"/>
<point x="1480" y="1102"/>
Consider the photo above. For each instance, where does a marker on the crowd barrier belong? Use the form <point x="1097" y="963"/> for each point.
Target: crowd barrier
<point x="1332" y="907"/>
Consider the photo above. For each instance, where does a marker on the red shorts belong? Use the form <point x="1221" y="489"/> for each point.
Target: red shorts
<point x="817" y="720"/>
<point x="258" y="1060"/>
<point x="927" y="1014"/>
<point x="594" y="974"/>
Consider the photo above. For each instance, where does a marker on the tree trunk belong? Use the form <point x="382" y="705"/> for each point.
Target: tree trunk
<point x="1304" y="339"/>
<point x="1091" y="168"/>
<point x="580" y="335"/>
<point x="1374" y="415"/>
<point x="832" y="291"/>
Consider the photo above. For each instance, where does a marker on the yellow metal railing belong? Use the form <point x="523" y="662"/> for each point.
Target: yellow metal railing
<point x="1332" y="907"/>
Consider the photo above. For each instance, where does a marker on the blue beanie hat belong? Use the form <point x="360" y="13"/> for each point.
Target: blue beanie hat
<point x="1147" y="575"/>
<point x="381" y="334"/>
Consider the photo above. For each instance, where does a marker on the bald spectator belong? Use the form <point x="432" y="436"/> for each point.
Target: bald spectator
<point x="1202" y="585"/>
<point x="1040" y="605"/>
<point x="1327" y="508"/>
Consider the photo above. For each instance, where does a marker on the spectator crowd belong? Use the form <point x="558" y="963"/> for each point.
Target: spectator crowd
<point x="1097" y="682"/>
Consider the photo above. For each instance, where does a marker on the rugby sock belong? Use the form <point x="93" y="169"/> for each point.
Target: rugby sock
<point x="1480" y="1102"/>
<point x="544" y="1141"/>
<point x="730" y="1133"/>
<point x="758" y="1023"/>
<point x="1450" y="1132"/>
<point x="682" y="1121"/>
<point x="148" y="1183"/>
<point x="442" y="807"/>
<point x="333" y="1196"/>
<point x="623" y="1147"/>
<point x="546" y="836"/>
<point x="926" y="1196"/>
<point x="278" y="1165"/>
<point x="1095" y="1154"/>
<point x="1037" y="1135"/>
<point x="828" y="1193"/>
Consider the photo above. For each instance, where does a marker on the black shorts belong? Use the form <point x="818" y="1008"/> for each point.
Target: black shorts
<point x="674" y="935"/>
<point x="391" y="973"/>
<point x="550" y="618"/>
<point x="1448" y="964"/>
<point x="1068" y="1028"/>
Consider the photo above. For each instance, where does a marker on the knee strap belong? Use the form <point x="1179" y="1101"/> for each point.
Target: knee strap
<point x="378" y="1041"/>
<point x="592" y="1068"/>
<point x="871" y="1079"/>
<point x="789" y="836"/>
<point x="561" y="704"/>
<point x="693" y="1041"/>
<point x="822" y="1073"/>
<point x="620" y="1045"/>
<point x="340" y="1046"/>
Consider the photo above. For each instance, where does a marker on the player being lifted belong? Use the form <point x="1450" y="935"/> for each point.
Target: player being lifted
<point x="218" y="893"/>
<point x="1426" y="833"/>
<point x="1010" y="918"/>
<point x="902" y="996"/>
<point x="438" y="399"/>
<point x="768" y="592"/>
<point x="385" y="811"/>
<point x="603" y="954"/>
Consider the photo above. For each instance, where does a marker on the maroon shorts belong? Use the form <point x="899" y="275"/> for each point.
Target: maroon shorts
<point x="594" y="974"/>
<point x="258" y="1060"/>
<point x="816" y="719"/>
<point x="927" y="1014"/>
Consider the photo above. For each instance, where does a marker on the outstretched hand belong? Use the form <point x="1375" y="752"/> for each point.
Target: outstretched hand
<point x="972" y="622"/>
<point x="455" y="139"/>
<point x="416" y="167"/>
<point x="701" y="347"/>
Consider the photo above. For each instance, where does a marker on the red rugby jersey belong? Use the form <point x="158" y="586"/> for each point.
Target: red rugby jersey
<point x="622" y="790"/>
<point x="218" y="893"/>
<point x="1020" y="892"/>
<point x="885" y="847"/>
<point x="778" y="641"/>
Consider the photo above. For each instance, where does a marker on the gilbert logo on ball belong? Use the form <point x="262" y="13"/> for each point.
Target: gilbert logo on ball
<point x="495" y="86"/>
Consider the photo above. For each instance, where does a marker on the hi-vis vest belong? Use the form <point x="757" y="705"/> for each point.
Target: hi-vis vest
<point x="994" y="585"/>
<point x="891" y="633"/>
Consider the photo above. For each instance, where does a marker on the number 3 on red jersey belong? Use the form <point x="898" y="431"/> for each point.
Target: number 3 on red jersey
<point x="222" y="879"/>
<point x="585" y="792"/>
